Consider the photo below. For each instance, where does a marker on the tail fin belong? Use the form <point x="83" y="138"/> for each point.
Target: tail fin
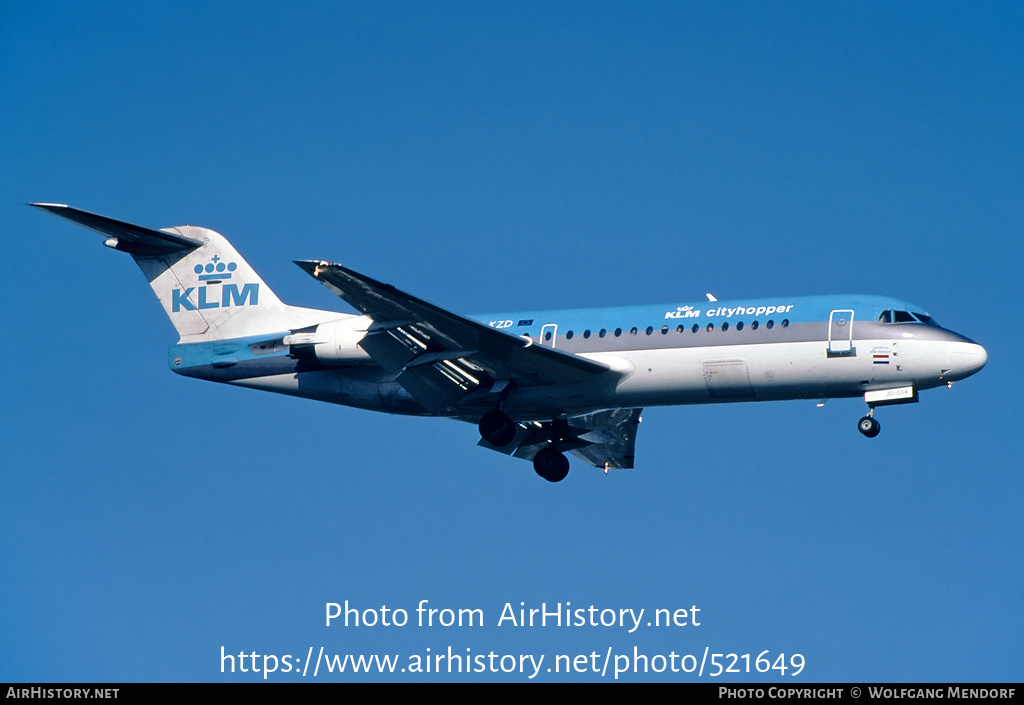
<point x="207" y="290"/>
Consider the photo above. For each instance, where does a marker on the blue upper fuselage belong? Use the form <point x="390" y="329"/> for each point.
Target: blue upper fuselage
<point x="792" y="309"/>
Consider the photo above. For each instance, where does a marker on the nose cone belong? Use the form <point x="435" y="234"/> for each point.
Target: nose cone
<point x="968" y="358"/>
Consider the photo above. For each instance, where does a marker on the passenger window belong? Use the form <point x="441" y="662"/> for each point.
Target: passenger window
<point x="770" y="324"/>
<point x="695" y="328"/>
<point x="754" y="325"/>
<point x="725" y="326"/>
<point x="711" y="327"/>
<point x="649" y="330"/>
<point x="785" y="323"/>
<point x="664" y="330"/>
<point x="632" y="331"/>
<point x="679" y="329"/>
<point x="618" y="332"/>
<point x="603" y="331"/>
<point x="568" y="336"/>
<point x="739" y="326"/>
<point x="586" y="333"/>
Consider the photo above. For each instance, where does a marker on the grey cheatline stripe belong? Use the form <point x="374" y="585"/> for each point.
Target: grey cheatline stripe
<point x="815" y="331"/>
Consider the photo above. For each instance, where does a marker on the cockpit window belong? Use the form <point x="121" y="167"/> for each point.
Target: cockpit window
<point x="893" y="316"/>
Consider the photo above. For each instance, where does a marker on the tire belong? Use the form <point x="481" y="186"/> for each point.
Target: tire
<point x="551" y="465"/>
<point x="497" y="429"/>
<point x="869" y="427"/>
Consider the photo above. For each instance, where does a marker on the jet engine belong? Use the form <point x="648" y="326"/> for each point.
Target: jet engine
<point x="331" y="343"/>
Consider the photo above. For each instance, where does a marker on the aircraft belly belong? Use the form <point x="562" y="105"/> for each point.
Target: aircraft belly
<point x="739" y="373"/>
<point x="338" y="387"/>
<point x="662" y="377"/>
<point x="549" y="401"/>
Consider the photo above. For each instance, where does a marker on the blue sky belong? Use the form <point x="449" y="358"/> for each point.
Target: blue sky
<point x="508" y="157"/>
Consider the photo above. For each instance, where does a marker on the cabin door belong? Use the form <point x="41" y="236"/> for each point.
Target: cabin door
<point x="548" y="334"/>
<point x="840" y="332"/>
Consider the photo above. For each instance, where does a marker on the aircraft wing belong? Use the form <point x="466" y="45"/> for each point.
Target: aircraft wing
<point x="440" y="357"/>
<point x="605" y="439"/>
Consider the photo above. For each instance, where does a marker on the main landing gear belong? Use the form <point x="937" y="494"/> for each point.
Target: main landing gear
<point x="497" y="429"/>
<point x="868" y="425"/>
<point x="550" y="464"/>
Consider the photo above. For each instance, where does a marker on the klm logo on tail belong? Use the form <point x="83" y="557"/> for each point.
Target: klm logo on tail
<point x="215" y="272"/>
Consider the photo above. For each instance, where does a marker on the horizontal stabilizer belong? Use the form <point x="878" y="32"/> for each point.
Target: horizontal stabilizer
<point x="133" y="239"/>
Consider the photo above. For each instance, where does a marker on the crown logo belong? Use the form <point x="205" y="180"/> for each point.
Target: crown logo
<point x="215" y="270"/>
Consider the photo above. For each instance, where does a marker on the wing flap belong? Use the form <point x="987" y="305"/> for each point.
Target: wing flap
<point x="611" y="440"/>
<point x="387" y="350"/>
<point x="606" y="439"/>
<point x="434" y="389"/>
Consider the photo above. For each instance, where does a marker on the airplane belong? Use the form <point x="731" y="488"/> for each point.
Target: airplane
<point x="537" y="384"/>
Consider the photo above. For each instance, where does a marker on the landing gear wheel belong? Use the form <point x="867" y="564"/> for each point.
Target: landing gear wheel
<point x="551" y="465"/>
<point x="869" y="427"/>
<point x="497" y="429"/>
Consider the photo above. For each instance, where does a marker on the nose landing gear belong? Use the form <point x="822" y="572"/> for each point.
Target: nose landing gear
<point x="868" y="425"/>
<point x="883" y="397"/>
